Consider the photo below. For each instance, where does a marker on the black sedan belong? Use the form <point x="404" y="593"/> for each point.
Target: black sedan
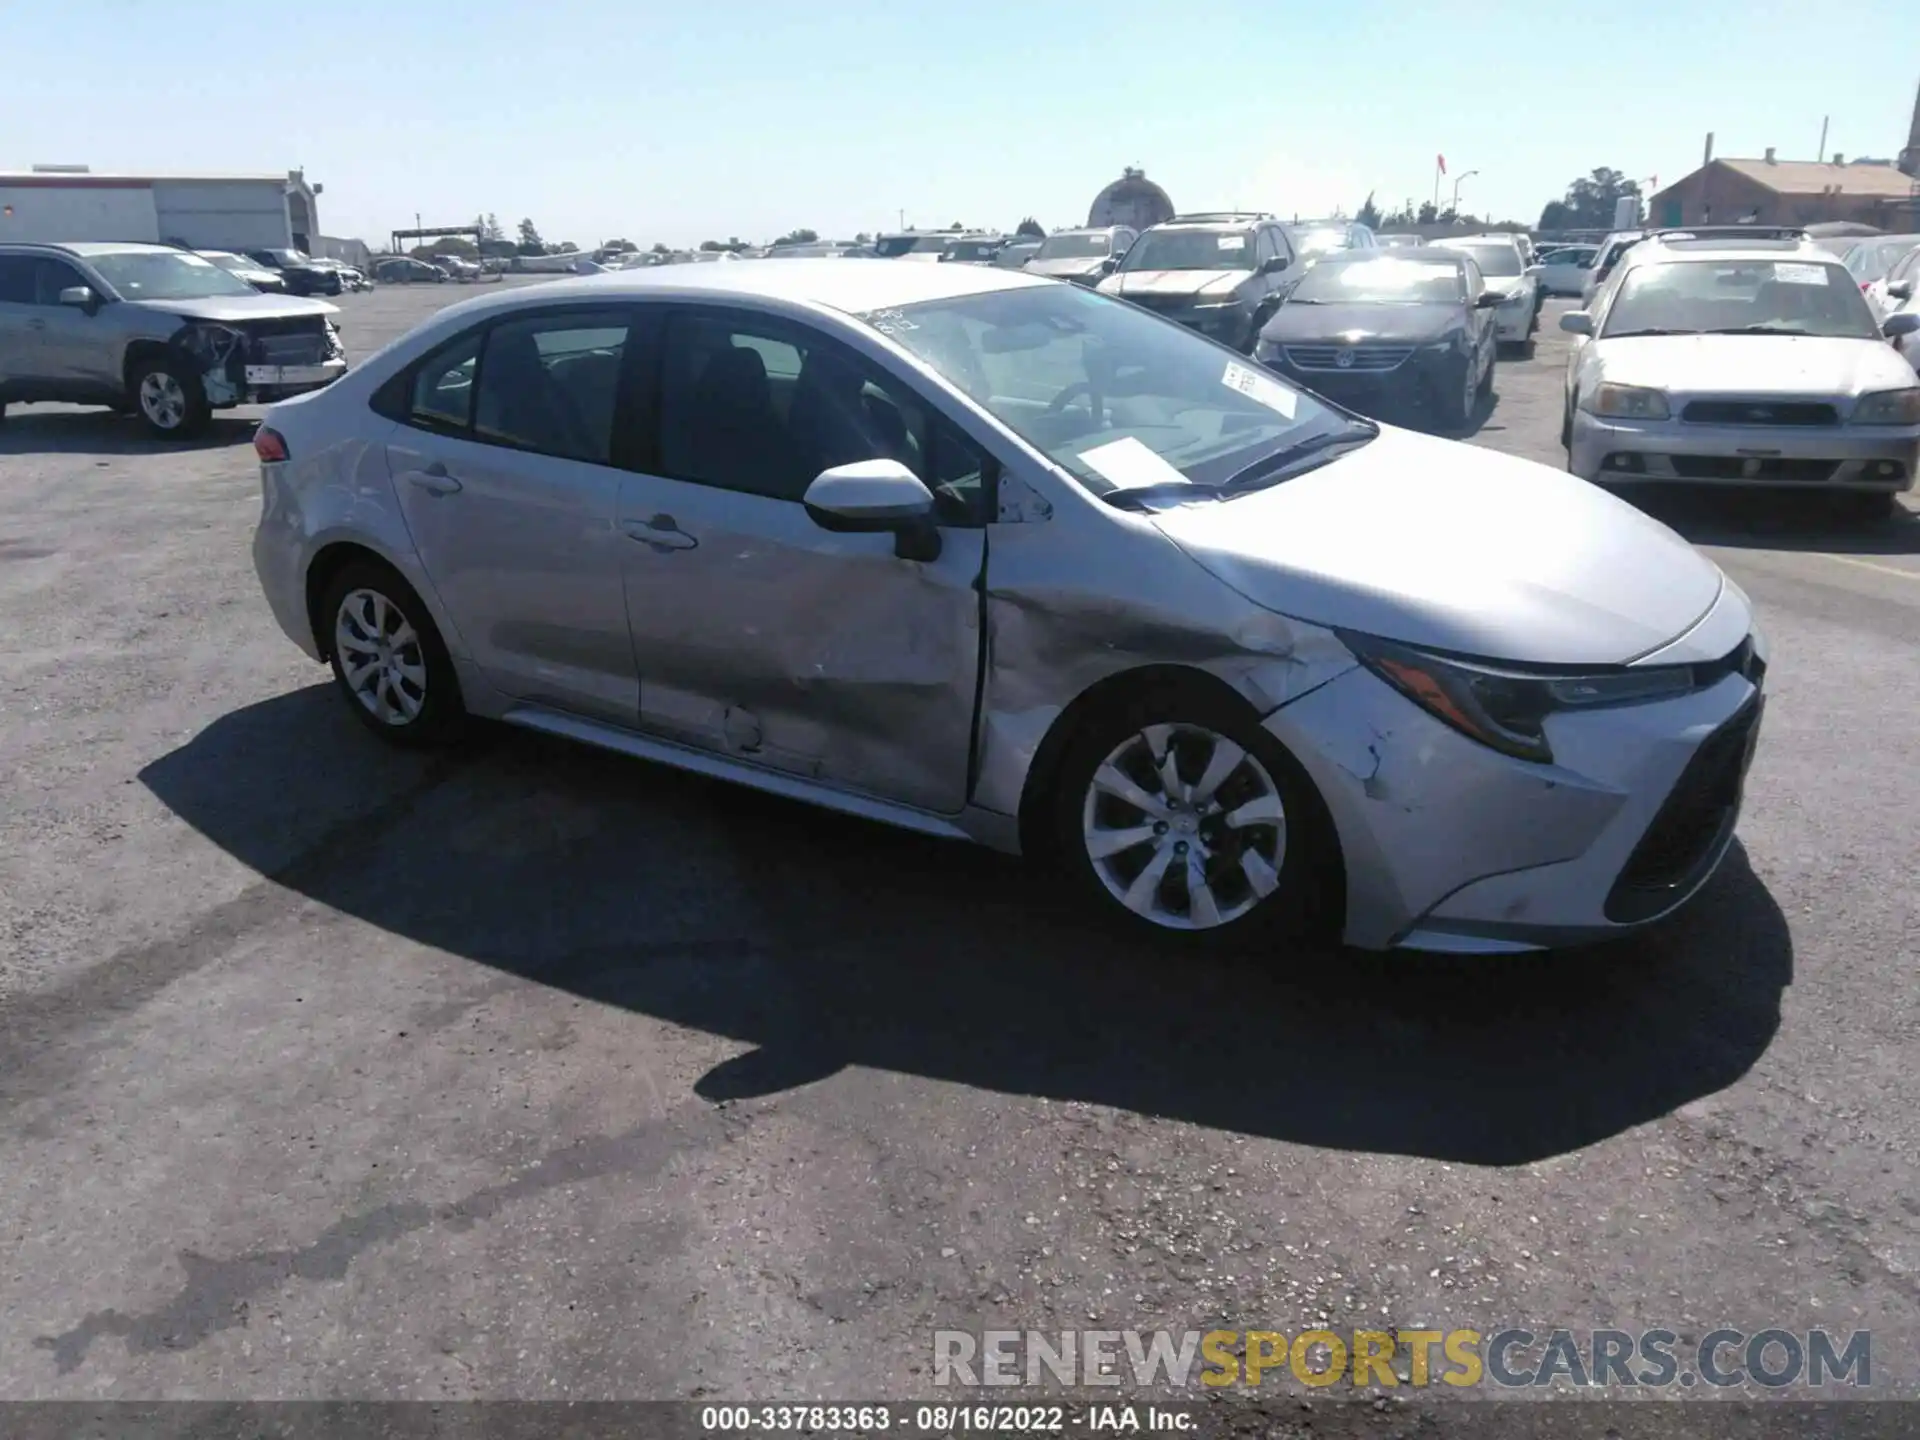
<point x="1387" y="333"/>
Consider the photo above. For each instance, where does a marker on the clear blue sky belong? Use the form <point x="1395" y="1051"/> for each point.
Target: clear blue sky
<point x="698" y="118"/>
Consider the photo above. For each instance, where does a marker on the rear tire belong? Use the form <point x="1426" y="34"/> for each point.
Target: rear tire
<point x="389" y="662"/>
<point x="1180" y="818"/>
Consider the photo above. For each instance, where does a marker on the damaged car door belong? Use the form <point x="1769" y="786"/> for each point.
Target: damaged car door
<point x="501" y="460"/>
<point x="760" y="633"/>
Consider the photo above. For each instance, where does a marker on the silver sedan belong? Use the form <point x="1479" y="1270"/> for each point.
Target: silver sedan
<point x="994" y="558"/>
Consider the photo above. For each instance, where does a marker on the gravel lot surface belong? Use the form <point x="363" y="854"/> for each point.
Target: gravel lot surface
<point x="532" y="1072"/>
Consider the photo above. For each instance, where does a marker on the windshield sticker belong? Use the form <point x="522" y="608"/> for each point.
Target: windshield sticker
<point x="1255" y="386"/>
<point x="1131" y="465"/>
<point x="1231" y="242"/>
<point x="889" y="322"/>
<point x="1800" y="274"/>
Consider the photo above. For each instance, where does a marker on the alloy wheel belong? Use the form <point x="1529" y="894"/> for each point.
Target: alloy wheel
<point x="162" y="400"/>
<point x="381" y="660"/>
<point x="1184" y="827"/>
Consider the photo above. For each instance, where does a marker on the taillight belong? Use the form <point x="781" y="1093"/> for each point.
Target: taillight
<point x="269" y="445"/>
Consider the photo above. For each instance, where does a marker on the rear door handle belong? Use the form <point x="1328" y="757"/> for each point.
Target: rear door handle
<point x="662" y="532"/>
<point x="434" y="480"/>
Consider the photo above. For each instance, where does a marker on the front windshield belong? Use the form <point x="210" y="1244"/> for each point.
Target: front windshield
<point x="1731" y="297"/>
<point x="1502" y="260"/>
<point x="1072" y="247"/>
<point x="1320" y="242"/>
<point x="1380" y="282"/>
<point x="892" y="246"/>
<point x="1121" y="399"/>
<point x="1192" y="250"/>
<point x="166" y="275"/>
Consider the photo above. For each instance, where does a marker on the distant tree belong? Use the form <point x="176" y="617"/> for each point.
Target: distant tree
<point x="1449" y="216"/>
<point x="625" y="247"/>
<point x="530" y="241"/>
<point x="1401" y="218"/>
<point x="798" y="237"/>
<point x="712" y="245"/>
<point x="447" y="245"/>
<point x="565" y="247"/>
<point x="863" y="238"/>
<point x="660" y="248"/>
<point x="1426" y="214"/>
<point x="956" y="225"/>
<point x="1590" y="200"/>
<point x="1368" y="214"/>
<point x="1030" y="226"/>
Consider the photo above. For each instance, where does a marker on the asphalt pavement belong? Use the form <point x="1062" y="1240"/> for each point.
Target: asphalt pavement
<point x="531" y="1072"/>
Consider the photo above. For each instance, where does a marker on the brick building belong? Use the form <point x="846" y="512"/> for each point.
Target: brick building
<point x="1769" y="191"/>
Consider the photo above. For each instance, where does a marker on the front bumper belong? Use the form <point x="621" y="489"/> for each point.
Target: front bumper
<point x="1452" y="846"/>
<point x="1853" y="457"/>
<point x="1514" y="324"/>
<point x="1424" y="383"/>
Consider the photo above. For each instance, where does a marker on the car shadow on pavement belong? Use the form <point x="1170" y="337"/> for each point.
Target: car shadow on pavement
<point x="103" y="432"/>
<point x="826" y="942"/>
<point x="1776" y="520"/>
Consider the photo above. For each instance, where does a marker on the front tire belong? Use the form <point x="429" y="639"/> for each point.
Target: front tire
<point x="389" y="662"/>
<point x="1180" y="817"/>
<point x="170" y="398"/>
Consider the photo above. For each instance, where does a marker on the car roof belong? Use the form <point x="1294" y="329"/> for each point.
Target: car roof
<point x="1449" y="242"/>
<point x="1760" y="252"/>
<point x="86" y="249"/>
<point x="1402" y="255"/>
<point x="850" y="289"/>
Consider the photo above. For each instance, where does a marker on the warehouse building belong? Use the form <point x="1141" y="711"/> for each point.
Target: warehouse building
<point x="52" y="203"/>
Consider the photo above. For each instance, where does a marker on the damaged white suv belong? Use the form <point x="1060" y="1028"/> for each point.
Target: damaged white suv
<point x="157" y="331"/>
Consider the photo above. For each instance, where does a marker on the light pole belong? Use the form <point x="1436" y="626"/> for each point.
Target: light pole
<point x="1453" y="207"/>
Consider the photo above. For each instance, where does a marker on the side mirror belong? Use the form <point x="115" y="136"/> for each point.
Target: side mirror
<point x="876" y="496"/>
<point x="81" y="297"/>
<point x="1577" y="322"/>
<point x="1109" y="265"/>
<point x="1486" y="300"/>
<point x="1275" y="265"/>
<point x="1901" y="290"/>
<point x="1899" y="325"/>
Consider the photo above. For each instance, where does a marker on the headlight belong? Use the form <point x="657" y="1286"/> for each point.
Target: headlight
<point x="1506" y="709"/>
<point x="1889" y="407"/>
<point x="1626" y="402"/>
<point x="1266" y="351"/>
<point x="1226" y="304"/>
<point x="1448" y="344"/>
<point x="209" y="343"/>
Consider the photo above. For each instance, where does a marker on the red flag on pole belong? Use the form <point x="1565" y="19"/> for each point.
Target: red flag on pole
<point x="1442" y="161"/>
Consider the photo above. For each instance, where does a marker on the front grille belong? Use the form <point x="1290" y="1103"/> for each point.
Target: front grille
<point x="1164" y="304"/>
<point x="296" y="340"/>
<point x="1368" y="359"/>
<point x="1759" y="412"/>
<point x="1691" y="826"/>
<point x="1751" y="467"/>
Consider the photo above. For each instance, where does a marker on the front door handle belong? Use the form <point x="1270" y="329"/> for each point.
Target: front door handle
<point x="434" y="480"/>
<point x="662" y="532"/>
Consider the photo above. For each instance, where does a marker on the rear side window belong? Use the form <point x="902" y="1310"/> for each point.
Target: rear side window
<point x="16" y="279"/>
<point x="549" y="384"/>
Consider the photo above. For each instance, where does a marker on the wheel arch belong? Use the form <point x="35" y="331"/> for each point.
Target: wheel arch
<point x="137" y="354"/>
<point x="1043" y="774"/>
<point x="327" y="562"/>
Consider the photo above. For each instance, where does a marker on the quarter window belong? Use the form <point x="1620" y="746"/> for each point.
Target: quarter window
<point x="442" y="391"/>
